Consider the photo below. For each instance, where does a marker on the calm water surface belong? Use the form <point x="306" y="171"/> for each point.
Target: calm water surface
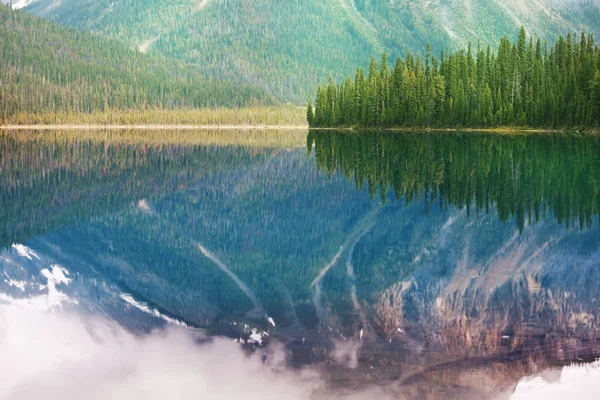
<point x="432" y="265"/>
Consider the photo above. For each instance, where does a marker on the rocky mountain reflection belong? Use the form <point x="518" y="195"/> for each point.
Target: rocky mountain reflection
<point x="480" y="266"/>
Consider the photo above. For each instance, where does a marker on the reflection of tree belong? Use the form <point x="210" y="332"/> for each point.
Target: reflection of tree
<point x="49" y="184"/>
<point x="522" y="175"/>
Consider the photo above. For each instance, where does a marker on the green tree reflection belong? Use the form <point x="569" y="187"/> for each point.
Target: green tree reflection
<point x="522" y="175"/>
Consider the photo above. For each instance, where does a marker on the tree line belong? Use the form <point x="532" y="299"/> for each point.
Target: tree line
<point x="523" y="83"/>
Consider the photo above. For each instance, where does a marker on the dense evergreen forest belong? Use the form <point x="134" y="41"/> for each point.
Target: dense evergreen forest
<point x="522" y="176"/>
<point x="49" y="68"/>
<point x="526" y="83"/>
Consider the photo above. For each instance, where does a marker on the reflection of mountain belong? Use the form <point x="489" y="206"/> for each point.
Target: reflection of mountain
<point x="50" y="180"/>
<point x="260" y="223"/>
<point x="479" y="289"/>
<point x="522" y="175"/>
<point x="423" y="292"/>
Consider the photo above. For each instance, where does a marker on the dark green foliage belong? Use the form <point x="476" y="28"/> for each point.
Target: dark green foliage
<point x="523" y="176"/>
<point x="596" y="96"/>
<point x="516" y="86"/>
<point x="48" y="68"/>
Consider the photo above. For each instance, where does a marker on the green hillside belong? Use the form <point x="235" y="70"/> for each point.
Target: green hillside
<point x="285" y="47"/>
<point x="49" y="68"/>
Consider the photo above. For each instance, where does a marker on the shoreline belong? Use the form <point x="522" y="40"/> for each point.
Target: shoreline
<point x="502" y="129"/>
<point x="266" y="127"/>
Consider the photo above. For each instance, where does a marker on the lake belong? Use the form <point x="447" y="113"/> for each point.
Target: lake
<point x="401" y="264"/>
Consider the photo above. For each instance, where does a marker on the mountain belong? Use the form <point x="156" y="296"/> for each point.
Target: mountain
<point x="287" y="47"/>
<point x="49" y="68"/>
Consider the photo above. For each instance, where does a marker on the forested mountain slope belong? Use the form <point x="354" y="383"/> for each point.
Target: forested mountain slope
<point x="286" y="46"/>
<point x="49" y="68"/>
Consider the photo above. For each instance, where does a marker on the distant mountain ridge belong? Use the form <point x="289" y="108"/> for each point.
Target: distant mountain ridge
<point x="286" y="48"/>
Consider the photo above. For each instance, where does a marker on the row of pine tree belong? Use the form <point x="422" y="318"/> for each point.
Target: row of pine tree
<point x="526" y="83"/>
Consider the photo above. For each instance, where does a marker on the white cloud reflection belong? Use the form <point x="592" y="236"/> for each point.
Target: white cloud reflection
<point x="62" y="356"/>
<point x="581" y="382"/>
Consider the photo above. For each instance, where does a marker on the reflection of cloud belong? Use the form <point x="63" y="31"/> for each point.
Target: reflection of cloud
<point x="576" y="382"/>
<point x="62" y="356"/>
<point x="345" y="352"/>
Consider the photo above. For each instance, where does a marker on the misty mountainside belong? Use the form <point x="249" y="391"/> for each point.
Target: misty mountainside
<point x="288" y="47"/>
<point x="50" y="68"/>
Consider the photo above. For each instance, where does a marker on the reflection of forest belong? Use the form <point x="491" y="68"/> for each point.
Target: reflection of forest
<point x="51" y="180"/>
<point x="522" y="175"/>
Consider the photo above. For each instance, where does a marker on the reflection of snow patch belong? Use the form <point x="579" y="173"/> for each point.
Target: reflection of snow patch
<point x="52" y="299"/>
<point x="257" y="337"/>
<point x="57" y="276"/>
<point x="12" y="283"/>
<point x="201" y="5"/>
<point x="145" y="45"/>
<point x="152" y="311"/>
<point x="145" y="207"/>
<point x="25" y="251"/>
<point x="17" y="5"/>
<point x="247" y="291"/>
<point x="445" y="232"/>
